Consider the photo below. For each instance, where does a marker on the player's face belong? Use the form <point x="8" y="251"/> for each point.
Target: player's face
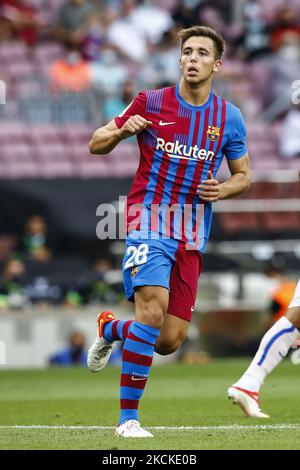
<point x="198" y="61"/>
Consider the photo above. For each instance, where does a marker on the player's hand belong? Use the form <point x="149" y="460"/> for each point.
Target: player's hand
<point x="134" y="125"/>
<point x="209" y="189"/>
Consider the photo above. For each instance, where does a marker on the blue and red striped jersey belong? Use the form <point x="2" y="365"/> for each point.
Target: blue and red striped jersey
<point x="183" y="143"/>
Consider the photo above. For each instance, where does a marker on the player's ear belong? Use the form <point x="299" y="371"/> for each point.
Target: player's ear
<point x="217" y="65"/>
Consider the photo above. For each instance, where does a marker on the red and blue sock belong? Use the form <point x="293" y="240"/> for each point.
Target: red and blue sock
<point x="137" y="359"/>
<point x="117" y="330"/>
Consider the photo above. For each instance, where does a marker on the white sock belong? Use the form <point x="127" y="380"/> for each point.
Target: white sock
<point x="273" y="347"/>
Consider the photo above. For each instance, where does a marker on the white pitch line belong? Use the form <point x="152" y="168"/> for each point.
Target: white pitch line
<point x="167" y="428"/>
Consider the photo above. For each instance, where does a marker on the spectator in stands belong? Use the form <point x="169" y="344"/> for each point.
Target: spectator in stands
<point x="19" y="20"/>
<point x="284" y="69"/>
<point x="123" y="34"/>
<point x="184" y="14"/>
<point x="73" y="21"/>
<point x="108" y="74"/>
<point x="71" y="73"/>
<point x="162" y="65"/>
<point x="290" y="134"/>
<point x="106" y="285"/>
<point x="74" y="354"/>
<point x="151" y="20"/>
<point x="255" y="40"/>
<point x="282" y="293"/>
<point x="12" y="285"/>
<point x="114" y="105"/>
<point x="35" y="244"/>
<point x="287" y="21"/>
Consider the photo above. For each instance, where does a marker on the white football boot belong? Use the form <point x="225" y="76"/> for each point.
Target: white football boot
<point x="247" y="400"/>
<point x="100" y="351"/>
<point x="131" y="428"/>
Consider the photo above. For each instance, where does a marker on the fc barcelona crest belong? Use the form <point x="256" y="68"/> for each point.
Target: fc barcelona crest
<point x="213" y="133"/>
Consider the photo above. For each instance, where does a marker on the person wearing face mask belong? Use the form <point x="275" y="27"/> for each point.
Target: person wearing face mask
<point x="71" y="73"/>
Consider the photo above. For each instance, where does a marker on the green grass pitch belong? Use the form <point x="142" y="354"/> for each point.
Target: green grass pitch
<point x="177" y="395"/>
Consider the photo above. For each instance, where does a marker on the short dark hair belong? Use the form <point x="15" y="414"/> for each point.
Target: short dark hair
<point x="203" y="31"/>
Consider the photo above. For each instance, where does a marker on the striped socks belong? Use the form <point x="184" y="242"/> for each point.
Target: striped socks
<point x="117" y="330"/>
<point x="273" y="348"/>
<point x="137" y="359"/>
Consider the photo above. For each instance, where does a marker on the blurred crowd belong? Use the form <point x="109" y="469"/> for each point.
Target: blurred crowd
<point x="116" y="48"/>
<point x="34" y="275"/>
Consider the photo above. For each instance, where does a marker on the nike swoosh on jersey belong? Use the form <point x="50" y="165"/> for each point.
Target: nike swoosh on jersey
<point x="161" y="123"/>
<point x="137" y="378"/>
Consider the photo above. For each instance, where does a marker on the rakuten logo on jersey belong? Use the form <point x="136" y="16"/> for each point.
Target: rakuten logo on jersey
<point x="178" y="150"/>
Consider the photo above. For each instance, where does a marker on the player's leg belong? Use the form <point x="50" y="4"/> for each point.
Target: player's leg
<point x="147" y="268"/>
<point x="172" y="334"/>
<point x="274" y="346"/>
<point x="109" y="330"/>
<point x="183" y="291"/>
<point x="151" y="304"/>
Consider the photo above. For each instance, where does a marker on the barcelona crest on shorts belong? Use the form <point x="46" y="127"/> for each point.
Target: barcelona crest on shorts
<point x="213" y="133"/>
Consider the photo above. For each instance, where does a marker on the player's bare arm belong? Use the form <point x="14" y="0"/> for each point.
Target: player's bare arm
<point x="210" y="190"/>
<point x="106" y="138"/>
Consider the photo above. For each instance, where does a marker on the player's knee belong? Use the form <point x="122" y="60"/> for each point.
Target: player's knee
<point x="152" y="314"/>
<point x="169" y="344"/>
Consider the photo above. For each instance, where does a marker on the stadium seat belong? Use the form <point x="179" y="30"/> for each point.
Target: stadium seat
<point x="93" y="169"/>
<point x="281" y="224"/>
<point x="19" y="152"/>
<point x="240" y="225"/>
<point x="27" y="169"/>
<point x="57" y="169"/>
<point x="54" y="152"/>
<point x="46" y="134"/>
<point x="16" y="132"/>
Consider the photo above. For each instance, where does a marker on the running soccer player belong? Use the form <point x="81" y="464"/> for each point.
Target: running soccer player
<point x="273" y="347"/>
<point x="183" y="132"/>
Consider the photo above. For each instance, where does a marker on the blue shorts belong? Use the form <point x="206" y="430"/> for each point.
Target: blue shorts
<point x="165" y="263"/>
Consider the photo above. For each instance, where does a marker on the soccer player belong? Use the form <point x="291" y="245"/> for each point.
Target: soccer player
<point x="183" y="132"/>
<point x="273" y="347"/>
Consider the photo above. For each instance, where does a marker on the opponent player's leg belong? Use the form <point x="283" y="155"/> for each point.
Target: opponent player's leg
<point x="151" y="304"/>
<point x="273" y="348"/>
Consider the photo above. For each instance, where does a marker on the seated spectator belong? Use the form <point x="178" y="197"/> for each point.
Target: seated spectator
<point x="72" y="21"/>
<point x="287" y="21"/>
<point x="74" y="354"/>
<point x="19" y="20"/>
<point x="282" y="293"/>
<point x="72" y="73"/>
<point x="108" y="74"/>
<point x="35" y="239"/>
<point x="12" y="285"/>
<point x="290" y="134"/>
<point x="123" y="34"/>
<point x="114" y="105"/>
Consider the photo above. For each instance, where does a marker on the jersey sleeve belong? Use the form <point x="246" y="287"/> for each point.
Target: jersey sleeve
<point x="137" y="106"/>
<point x="236" y="147"/>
